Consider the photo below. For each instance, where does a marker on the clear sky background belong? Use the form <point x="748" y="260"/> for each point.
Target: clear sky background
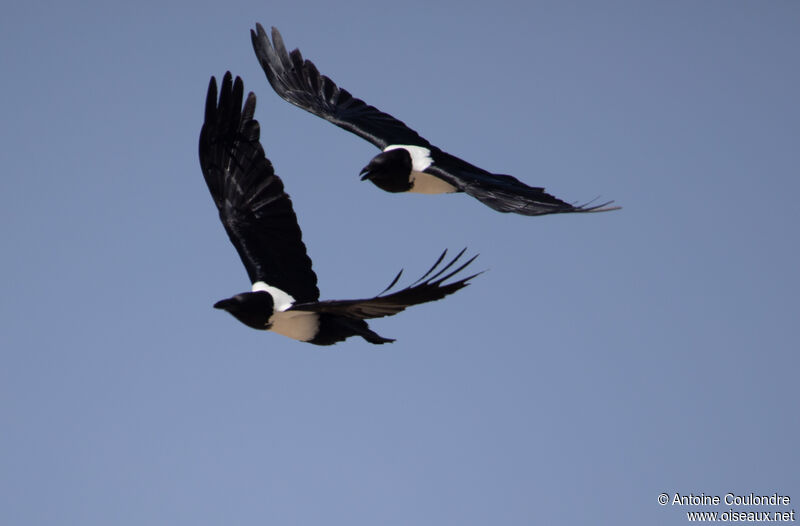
<point x="602" y="360"/>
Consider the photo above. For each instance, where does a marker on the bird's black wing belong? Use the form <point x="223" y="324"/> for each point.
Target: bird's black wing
<point x="504" y="193"/>
<point x="430" y="287"/>
<point x="298" y="82"/>
<point x="254" y="209"/>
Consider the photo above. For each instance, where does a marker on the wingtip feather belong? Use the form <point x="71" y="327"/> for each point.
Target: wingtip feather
<point x="211" y="99"/>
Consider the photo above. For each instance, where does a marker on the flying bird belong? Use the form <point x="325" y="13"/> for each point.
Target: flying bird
<point x="408" y="162"/>
<point x="258" y="217"/>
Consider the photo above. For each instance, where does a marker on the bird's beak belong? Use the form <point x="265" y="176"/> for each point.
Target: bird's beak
<point x="221" y="304"/>
<point x="364" y="173"/>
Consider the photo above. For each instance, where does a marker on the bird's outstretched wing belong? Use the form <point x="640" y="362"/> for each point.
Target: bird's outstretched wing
<point x="506" y="193"/>
<point x="430" y="287"/>
<point x="299" y="82"/>
<point x="254" y="209"/>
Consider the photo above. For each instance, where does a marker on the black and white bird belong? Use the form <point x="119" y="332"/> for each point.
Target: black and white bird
<point x="257" y="215"/>
<point x="407" y="163"/>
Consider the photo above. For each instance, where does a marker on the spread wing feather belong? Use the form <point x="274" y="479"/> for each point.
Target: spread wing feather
<point x="254" y="208"/>
<point x="427" y="288"/>
<point x="506" y="193"/>
<point x="297" y="81"/>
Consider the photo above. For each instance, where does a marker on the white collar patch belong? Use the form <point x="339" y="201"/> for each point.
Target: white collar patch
<point x="420" y="156"/>
<point x="280" y="299"/>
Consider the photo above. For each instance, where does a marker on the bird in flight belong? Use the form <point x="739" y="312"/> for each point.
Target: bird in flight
<point x="408" y="162"/>
<point x="258" y="216"/>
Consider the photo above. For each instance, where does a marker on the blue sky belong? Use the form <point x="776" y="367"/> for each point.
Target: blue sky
<point x="602" y="360"/>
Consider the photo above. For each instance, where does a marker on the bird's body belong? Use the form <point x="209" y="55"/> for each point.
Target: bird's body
<point x="408" y="162"/>
<point x="260" y="310"/>
<point x="258" y="217"/>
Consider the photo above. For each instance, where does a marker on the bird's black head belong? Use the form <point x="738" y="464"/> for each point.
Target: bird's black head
<point x="390" y="170"/>
<point x="251" y="308"/>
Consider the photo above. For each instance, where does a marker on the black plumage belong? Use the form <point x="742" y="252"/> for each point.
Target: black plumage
<point x="432" y="170"/>
<point x="254" y="209"/>
<point x="258" y="217"/>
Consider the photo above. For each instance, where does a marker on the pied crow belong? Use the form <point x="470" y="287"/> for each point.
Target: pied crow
<point x="407" y="163"/>
<point x="257" y="214"/>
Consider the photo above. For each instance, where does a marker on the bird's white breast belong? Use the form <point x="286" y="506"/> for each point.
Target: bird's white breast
<point x="298" y="325"/>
